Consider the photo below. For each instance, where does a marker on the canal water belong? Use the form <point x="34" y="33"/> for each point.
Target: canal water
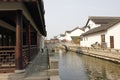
<point x="74" y="66"/>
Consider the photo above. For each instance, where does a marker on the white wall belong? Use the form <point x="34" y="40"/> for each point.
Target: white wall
<point x="61" y="38"/>
<point x="91" y="39"/>
<point x="42" y="38"/>
<point x="68" y="37"/>
<point x="92" y="25"/>
<point x="76" y="32"/>
<point x="114" y="31"/>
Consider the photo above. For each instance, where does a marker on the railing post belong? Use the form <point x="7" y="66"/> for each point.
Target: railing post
<point x="19" y="41"/>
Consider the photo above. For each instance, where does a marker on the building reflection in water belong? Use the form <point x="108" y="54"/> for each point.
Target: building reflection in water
<point x="100" y="69"/>
<point x="71" y="67"/>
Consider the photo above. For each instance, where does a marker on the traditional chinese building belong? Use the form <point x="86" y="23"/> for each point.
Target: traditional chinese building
<point x="21" y="27"/>
<point x="102" y="31"/>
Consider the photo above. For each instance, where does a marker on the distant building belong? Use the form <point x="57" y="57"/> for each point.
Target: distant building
<point x="72" y="35"/>
<point x="102" y="30"/>
<point x="61" y="37"/>
<point x="51" y="41"/>
<point x="75" y="35"/>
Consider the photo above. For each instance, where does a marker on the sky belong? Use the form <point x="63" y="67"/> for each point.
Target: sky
<point x="65" y="15"/>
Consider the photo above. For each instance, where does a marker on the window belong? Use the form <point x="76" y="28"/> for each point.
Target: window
<point x="102" y="38"/>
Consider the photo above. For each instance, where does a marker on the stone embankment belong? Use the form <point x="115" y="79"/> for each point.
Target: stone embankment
<point x="107" y="54"/>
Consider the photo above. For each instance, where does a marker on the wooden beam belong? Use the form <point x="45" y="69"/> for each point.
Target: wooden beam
<point x="6" y="25"/>
<point x="17" y="0"/>
<point x="19" y="6"/>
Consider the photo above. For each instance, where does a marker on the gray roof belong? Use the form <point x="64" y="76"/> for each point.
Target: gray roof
<point x="102" y="20"/>
<point x="74" y="30"/>
<point x="107" y="23"/>
<point x="62" y="35"/>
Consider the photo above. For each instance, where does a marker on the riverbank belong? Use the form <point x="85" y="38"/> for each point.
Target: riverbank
<point x="106" y="54"/>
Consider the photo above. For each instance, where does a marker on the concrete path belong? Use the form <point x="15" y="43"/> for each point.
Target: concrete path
<point x="37" y="70"/>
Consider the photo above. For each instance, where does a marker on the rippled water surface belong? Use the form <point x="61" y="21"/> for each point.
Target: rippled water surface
<point x="74" y="66"/>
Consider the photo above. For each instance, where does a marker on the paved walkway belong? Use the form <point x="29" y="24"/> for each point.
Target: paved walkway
<point x="37" y="70"/>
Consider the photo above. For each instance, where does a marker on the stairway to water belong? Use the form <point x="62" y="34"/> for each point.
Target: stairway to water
<point x="38" y="69"/>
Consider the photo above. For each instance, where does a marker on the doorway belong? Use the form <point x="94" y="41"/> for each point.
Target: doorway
<point x="111" y="41"/>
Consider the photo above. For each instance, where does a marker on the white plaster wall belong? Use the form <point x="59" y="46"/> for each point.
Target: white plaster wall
<point x="68" y="37"/>
<point x="86" y="29"/>
<point x="76" y="32"/>
<point x="91" y="39"/>
<point x="92" y="25"/>
<point x="61" y="38"/>
<point x="114" y="31"/>
<point x="42" y="38"/>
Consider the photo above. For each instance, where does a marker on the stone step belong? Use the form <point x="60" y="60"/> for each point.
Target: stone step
<point x="4" y="76"/>
<point x="54" y="78"/>
<point x="37" y="78"/>
<point x="53" y="63"/>
<point x="53" y="72"/>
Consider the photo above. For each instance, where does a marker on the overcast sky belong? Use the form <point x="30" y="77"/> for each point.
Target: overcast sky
<point x="62" y="15"/>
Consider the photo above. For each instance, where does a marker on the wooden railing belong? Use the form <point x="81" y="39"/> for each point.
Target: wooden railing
<point x="7" y="56"/>
<point x="25" y="55"/>
<point x="28" y="54"/>
<point x="33" y="51"/>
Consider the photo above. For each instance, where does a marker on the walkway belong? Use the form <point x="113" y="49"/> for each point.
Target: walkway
<point x="37" y="70"/>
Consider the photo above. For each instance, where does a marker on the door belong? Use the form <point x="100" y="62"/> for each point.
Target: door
<point x="111" y="41"/>
<point x="102" y="38"/>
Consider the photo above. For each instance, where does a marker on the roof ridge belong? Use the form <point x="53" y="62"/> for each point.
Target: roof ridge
<point x="104" y="17"/>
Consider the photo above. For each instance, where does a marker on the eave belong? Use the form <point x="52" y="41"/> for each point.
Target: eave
<point x="31" y="10"/>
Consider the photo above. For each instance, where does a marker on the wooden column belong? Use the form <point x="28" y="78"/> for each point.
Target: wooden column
<point x="0" y="39"/>
<point x="29" y="34"/>
<point x="29" y="39"/>
<point x="19" y="40"/>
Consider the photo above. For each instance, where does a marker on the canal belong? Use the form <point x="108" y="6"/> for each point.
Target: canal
<point x="74" y="66"/>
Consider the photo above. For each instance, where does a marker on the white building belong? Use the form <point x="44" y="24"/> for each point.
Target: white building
<point x="104" y="31"/>
<point x="61" y="37"/>
<point x="76" y="32"/>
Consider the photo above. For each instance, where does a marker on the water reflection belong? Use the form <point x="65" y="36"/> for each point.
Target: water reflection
<point x="98" y="69"/>
<point x="71" y="67"/>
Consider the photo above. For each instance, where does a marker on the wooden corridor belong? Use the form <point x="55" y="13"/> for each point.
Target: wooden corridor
<point x="21" y="28"/>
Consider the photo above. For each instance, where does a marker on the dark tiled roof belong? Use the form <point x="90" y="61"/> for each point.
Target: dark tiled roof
<point x="62" y="35"/>
<point x="73" y="30"/>
<point x="102" y="27"/>
<point x="101" y="19"/>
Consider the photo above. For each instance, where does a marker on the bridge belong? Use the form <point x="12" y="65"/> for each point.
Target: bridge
<point x="62" y="45"/>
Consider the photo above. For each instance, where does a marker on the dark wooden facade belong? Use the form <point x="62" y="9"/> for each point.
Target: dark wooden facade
<point x="21" y="25"/>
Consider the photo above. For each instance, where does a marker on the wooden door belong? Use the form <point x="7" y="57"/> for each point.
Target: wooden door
<point x="102" y="38"/>
<point x="111" y="41"/>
